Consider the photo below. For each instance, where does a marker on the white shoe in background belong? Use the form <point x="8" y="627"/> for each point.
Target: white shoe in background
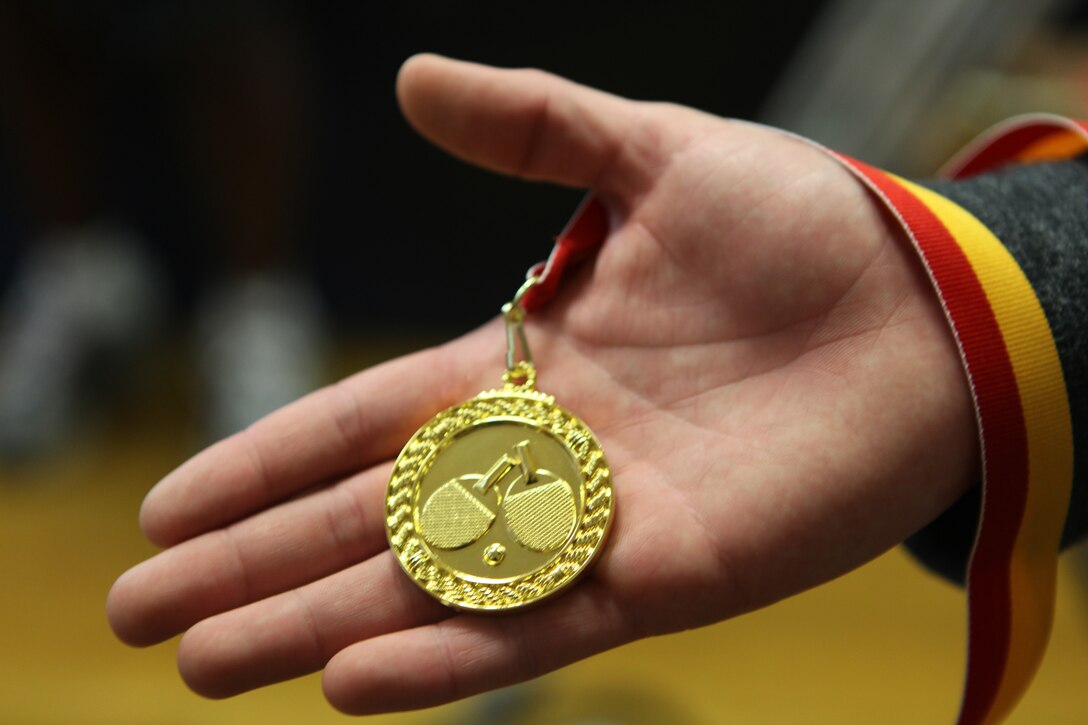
<point x="262" y="345"/>
<point x="82" y="304"/>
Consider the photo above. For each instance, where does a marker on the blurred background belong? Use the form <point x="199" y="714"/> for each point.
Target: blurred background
<point x="207" y="209"/>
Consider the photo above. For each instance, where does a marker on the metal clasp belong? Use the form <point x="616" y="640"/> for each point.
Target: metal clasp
<point x="514" y="317"/>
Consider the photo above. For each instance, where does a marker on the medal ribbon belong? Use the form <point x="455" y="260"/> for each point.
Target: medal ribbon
<point x="1016" y="381"/>
<point x="585" y="231"/>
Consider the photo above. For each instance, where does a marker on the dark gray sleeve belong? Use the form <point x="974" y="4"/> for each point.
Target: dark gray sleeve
<point x="1040" y="213"/>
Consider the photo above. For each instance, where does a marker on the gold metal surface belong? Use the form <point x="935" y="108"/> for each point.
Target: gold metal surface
<point x="514" y="317"/>
<point x="453" y="517"/>
<point x="541" y="518"/>
<point x="501" y="501"/>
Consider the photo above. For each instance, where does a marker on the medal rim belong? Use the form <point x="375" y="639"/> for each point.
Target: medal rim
<point x="463" y="591"/>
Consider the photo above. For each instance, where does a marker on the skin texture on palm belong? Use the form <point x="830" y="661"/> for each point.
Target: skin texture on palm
<point x="756" y="347"/>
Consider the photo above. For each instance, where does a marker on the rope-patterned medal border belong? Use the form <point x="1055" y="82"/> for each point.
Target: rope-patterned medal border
<point x="531" y="408"/>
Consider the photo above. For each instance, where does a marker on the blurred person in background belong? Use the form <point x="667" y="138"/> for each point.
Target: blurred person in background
<point x="224" y="134"/>
<point x="87" y="295"/>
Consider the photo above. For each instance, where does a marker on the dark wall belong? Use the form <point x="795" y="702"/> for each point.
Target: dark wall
<point x="386" y="216"/>
<point x="402" y="214"/>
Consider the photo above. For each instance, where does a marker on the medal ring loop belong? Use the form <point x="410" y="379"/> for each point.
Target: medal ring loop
<point x="514" y="317"/>
<point x="520" y="377"/>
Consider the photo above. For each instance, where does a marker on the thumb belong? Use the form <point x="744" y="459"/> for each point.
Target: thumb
<point x="531" y="124"/>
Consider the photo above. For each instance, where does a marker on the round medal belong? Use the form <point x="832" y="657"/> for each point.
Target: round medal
<point x="501" y="501"/>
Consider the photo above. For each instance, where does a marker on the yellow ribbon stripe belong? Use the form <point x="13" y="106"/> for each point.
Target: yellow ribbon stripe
<point x="1041" y="383"/>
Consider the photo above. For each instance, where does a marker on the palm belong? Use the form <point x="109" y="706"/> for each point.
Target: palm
<point x="757" y="352"/>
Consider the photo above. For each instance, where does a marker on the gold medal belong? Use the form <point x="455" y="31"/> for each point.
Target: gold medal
<point x="503" y="500"/>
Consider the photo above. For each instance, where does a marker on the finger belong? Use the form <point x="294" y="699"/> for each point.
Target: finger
<point x="469" y="654"/>
<point x="286" y="546"/>
<point x="357" y="422"/>
<point x="296" y="632"/>
<point x="532" y="124"/>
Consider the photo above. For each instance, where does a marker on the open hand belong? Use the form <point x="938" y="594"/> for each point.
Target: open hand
<point x="756" y="347"/>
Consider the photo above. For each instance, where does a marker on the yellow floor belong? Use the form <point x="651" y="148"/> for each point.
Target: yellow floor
<point x="883" y="645"/>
